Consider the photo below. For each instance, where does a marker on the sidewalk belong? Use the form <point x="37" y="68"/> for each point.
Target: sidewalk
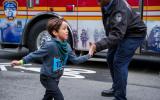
<point x="26" y="86"/>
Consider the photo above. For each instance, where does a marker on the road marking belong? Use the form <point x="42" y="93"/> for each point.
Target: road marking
<point x="76" y="73"/>
<point x="9" y="64"/>
<point x="3" y="68"/>
<point x="68" y="72"/>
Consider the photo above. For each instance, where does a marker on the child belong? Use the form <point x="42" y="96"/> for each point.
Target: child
<point x="55" y="54"/>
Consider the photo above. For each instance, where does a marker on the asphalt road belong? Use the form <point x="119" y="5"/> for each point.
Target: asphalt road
<point x="79" y="82"/>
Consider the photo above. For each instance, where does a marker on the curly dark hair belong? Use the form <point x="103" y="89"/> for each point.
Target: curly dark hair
<point x="54" y="25"/>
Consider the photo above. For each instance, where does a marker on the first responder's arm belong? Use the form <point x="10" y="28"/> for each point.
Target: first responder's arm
<point x="118" y="27"/>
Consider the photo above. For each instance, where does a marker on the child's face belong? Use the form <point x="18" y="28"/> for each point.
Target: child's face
<point x="62" y="33"/>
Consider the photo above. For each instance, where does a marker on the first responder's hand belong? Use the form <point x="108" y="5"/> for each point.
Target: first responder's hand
<point x="15" y="63"/>
<point x="92" y="48"/>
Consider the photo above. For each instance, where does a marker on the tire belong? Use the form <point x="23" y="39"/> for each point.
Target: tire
<point x="38" y="27"/>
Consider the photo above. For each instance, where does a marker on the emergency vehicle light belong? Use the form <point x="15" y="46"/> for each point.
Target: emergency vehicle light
<point x="69" y="8"/>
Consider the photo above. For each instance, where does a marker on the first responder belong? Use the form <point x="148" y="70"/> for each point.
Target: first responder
<point x="125" y="33"/>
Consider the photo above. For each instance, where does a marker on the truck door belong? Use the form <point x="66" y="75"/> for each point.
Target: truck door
<point x="13" y="17"/>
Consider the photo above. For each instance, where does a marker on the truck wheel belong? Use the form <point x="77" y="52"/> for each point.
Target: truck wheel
<point x="38" y="35"/>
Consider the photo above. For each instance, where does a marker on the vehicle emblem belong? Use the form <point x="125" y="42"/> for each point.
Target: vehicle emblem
<point x="10" y="9"/>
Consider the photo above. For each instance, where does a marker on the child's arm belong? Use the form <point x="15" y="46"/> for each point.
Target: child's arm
<point x="38" y="54"/>
<point x="77" y="60"/>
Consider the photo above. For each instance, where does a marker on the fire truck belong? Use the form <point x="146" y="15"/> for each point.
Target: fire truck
<point x="23" y="23"/>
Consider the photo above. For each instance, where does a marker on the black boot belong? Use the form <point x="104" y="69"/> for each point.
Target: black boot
<point x="108" y="93"/>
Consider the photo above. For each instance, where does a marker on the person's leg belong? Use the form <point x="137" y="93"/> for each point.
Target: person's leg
<point x="52" y="89"/>
<point x="110" y="57"/>
<point x="123" y="56"/>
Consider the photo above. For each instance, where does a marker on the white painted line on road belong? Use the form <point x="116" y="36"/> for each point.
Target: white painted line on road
<point x="9" y="64"/>
<point x="3" y="68"/>
<point x="68" y="72"/>
<point x="5" y="63"/>
<point x="76" y="72"/>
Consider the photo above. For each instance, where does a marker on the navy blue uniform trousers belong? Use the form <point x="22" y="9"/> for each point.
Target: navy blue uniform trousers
<point x="118" y="60"/>
<point x="52" y="89"/>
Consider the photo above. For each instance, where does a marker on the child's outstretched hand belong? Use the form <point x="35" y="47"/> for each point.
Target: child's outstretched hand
<point x="16" y="63"/>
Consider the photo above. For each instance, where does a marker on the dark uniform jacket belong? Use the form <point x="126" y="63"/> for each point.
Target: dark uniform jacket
<point x="120" y="21"/>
